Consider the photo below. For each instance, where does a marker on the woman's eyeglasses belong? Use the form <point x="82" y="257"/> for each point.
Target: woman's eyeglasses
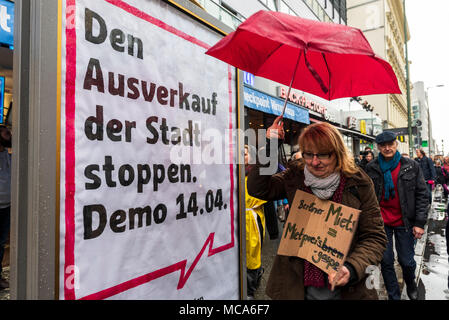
<point x="320" y="156"/>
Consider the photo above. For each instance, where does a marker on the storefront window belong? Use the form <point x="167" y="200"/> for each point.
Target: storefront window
<point x="285" y="8"/>
<point x="349" y="143"/>
<point x="269" y="3"/>
<point x="257" y="120"/>
<point x="320" y="13"/>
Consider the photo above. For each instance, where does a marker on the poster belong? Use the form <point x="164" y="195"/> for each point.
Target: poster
<point x="148" y="205"/>
<point x="319" y="231"/>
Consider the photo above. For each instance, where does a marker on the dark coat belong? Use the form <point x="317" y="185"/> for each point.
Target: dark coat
<point x="442" y="175"/>
<point x="413" y="194"/>
<point x="427" y="167"/>
<point x="286" y="279"/>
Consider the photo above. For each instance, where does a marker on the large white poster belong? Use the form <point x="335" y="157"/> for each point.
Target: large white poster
<point x="148" y="171"/>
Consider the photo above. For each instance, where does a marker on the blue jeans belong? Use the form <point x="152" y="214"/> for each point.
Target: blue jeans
<point x="404" y="243"/>
<point x="5" y="220"/>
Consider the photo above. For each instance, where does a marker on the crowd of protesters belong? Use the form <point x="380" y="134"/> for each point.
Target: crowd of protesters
<point x="394" y="193"/>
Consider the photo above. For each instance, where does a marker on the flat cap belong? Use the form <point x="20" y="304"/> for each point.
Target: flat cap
<point x="385" y="136"/>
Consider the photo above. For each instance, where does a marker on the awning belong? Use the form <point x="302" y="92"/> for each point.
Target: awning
<point x="356" y="134"/>
<point x="350" y="132"/>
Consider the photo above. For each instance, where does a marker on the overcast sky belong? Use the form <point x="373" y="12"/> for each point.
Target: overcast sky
<point x="428" y="50"/>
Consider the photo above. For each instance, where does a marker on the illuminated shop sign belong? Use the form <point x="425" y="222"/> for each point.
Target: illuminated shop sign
<point x="301" y="100"/>
<point x="248" y="78"/>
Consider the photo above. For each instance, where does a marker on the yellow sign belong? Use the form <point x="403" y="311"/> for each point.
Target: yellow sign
<point x="363" y="126"/>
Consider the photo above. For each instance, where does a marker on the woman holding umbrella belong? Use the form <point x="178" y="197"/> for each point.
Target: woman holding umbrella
<point x="328" y="171"/>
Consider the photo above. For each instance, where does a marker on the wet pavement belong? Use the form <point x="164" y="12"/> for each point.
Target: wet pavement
<point x="435" y="266"/>
<point x="4" y="294"/>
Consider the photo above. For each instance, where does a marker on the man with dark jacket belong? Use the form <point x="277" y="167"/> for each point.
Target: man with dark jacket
<point x="401" y="191"/>
<point x="428" y="170"/>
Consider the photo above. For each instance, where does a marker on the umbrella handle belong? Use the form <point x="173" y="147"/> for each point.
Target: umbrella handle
<point x="291" y="83"/>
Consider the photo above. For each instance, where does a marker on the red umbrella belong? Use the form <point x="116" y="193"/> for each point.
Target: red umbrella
<point x="325" y="59"/>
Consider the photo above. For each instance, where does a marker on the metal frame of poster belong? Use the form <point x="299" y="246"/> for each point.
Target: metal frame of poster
<point x="130" y="202"/>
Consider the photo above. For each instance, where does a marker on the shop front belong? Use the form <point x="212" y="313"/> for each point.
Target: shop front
<point x="260" y="111"/>
<point x="351" y="124"/>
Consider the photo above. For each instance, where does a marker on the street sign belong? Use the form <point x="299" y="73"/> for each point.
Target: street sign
<point x="402" y="131"/>
<point x="424" y="143"/>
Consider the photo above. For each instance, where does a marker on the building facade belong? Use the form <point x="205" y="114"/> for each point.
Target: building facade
<point x="382" y="23"/>
<point x="421" y="118"/>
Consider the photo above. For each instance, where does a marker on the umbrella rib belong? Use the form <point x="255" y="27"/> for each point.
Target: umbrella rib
<point x="329" y="73"/>
<point x="271" y="53"/>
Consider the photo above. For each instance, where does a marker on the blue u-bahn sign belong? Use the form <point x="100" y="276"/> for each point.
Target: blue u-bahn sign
<point x="2" y="97"/>
<point x="6" y="22"/>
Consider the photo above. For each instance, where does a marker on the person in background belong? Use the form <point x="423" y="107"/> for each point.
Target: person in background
<point x="255" y="230"/>
<point x="428" y="170"/>
<point x="359" y="160"/>
<point x="369" y="156"/>
<point x="442" y="178"/>
<point x="5" y="195"/>
<point x="328" y="171"/>
<point x="405" y="155"/>
<point x="446" y="163"/>
<point x="401" y="191"/>
<point x="447" y="240"/>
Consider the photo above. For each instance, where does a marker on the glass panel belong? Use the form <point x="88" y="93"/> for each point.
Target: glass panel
<point x="271" y="5"/>
<point x="220" y="13"/>
<point x="212" y="8"/>
<point x="284" y="8"/>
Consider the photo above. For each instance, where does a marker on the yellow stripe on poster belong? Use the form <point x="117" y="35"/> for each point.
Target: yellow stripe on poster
<point x="58" y="149"/>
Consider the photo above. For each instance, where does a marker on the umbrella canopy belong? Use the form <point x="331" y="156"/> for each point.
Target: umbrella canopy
<point x="325" y="59"/>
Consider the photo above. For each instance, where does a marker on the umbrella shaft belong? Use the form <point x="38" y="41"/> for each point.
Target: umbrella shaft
<point x="291" y="82"/>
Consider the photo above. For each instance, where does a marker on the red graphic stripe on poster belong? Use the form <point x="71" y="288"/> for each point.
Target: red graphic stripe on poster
<point x="69" y="292"/>
<point x="181" y="265"/>
<point x="144" y="16"/>
<point x="231" y="153"/>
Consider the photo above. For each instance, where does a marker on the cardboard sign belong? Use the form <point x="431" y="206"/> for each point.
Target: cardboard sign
<point x="319" y="231"/>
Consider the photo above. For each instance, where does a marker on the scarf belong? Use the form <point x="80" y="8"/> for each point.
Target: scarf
<point x="386" y="167"/>
<point x="322" y="188"/>
<point x="314" y="276"/>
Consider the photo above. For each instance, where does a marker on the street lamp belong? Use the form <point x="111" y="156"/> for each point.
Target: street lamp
<point x="409" y="112"/>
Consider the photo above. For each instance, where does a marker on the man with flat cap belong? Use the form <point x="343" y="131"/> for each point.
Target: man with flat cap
<point x="402" y="194"/>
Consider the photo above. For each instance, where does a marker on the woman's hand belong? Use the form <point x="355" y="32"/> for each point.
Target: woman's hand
<point x="341" y="278"/>
<point x="418" y="232"/>
<point x="276" y="130"/>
